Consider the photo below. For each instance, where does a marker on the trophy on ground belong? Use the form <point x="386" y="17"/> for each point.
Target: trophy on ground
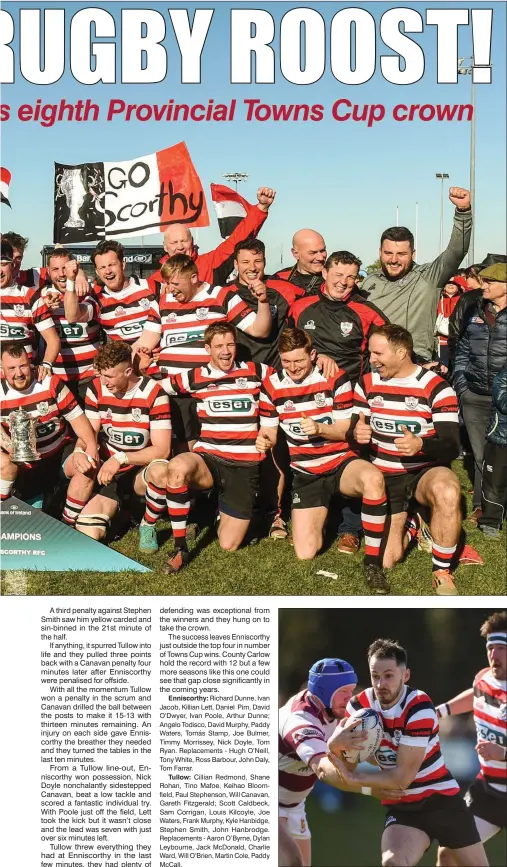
<point x="23" y="437"/>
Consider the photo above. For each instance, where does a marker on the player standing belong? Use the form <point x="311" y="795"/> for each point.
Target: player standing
<point x="486" y="796"/>
<point x="430" y="806"/>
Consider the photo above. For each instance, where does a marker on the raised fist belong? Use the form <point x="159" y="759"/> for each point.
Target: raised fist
<point x="265" y="197"/>
<point x="459" y="197"/>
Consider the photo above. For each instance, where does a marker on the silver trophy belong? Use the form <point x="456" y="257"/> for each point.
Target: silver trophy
<point x="74" y="190"/>
<point x="23" y="437"/>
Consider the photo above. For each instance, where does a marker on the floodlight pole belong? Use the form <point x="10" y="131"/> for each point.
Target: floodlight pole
<point x="236" y="177"/>
<point x="442" y="176"/>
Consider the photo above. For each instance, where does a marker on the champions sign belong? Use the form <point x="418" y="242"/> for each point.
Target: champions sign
<point x="143" y="196"/>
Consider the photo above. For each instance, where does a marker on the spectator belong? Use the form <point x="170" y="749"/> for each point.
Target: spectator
<point x="472" y="276"/>
<point x="451" y="293"/>
<point x="481" y="352"/>
<point x="494" y="467"/>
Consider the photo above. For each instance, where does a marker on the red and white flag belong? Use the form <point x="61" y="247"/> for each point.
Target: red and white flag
<point x="123" y="199"/>
<point x="5" y="179"/>
<point x="230" y="208"/>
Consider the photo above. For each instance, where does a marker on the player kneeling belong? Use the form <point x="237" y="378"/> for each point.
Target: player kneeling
<point x="130" y="414"/>
<point x="224" y="456"/>
<point x="314" y="413"/>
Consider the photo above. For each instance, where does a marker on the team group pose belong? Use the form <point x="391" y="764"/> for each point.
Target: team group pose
<point x="298" y="395"/>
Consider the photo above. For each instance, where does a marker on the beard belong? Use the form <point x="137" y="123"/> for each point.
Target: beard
<point x="401" y="274"/>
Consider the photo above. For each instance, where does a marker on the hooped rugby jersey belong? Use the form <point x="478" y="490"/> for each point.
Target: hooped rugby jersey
<point x="23" y="313"/>
<point x="490" y="717"/>
<point x="51" y="403"/>
<point x="303" y="733"/>
<point x="411" y="722"/>
<point x="283" y="401"/>
<point x="126" y="420"/>
<point x="281" y="297"/>
<point x="227" y="408"/>
<point x="421" y="402"/>
<point x="181" y="326"/>
<point x="123" y="314"/>
<point x="80" y="342"/>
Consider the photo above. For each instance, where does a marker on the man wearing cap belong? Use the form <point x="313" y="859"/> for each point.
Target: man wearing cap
<point x="481" y="352"/>
<point x="487" y="699"/>
<point x="407" y="293"/>
<point x="306" y="722"/>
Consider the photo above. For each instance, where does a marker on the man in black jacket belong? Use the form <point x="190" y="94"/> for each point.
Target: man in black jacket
<point x="309" y="251"/>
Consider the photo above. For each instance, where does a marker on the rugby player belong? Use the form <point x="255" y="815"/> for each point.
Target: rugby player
<point x="309" y="251"/>
<point x="178" y="321"/>
<point x="340" y="320"/>
<point x="215" y="267"/>
<point x="80" y="341"/>
<point x="306" y="722"/>
<point x="487" y="699"/>
<point x="430" y="806"/>
<point x="123" y="302"/>
<point x="61" y="461"/>
<point x="24" y="315"/>
<point x="130" y="414"/>
<point x="34" y="278"/>
<point x="224" y="456"/>
<point x="315" y="412"/>
<point x="409" y="417"/>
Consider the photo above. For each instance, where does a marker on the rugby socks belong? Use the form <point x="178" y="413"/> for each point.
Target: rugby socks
<point x="155" y="504"/>
<point x="72" y="510"/>
<point x="178" y="505"/>
<point x="412" y="527"/>
<point x="373" y="517"/>
<point x="442" y="557"/>
<point x="5" y="489"/>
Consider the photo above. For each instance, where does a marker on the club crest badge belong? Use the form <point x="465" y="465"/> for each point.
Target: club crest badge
<point x="19" y="309"/>
<point x="171" y="318"/>
<point x="144" y="303"/>
<point x="346" y="328"/>
<point x="377" y="401"/>
<point x="202" y="312"/>
<point x="502" y="712"/>
<point x="241" y="382"/>
<point x="320" y="398"/>
<point x="119" y="311"/>
<point x="136" y="414"/>
<point x="310" y="325"/>
<point x="289" y="406"/>
<point x="43" y="407"/>
<point x="411" y="402"/>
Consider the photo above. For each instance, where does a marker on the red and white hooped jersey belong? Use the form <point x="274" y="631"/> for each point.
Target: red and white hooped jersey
<point x="126" y="420"/>
<point x="283" y="401"/>
<point x="416" y="402"/>
<point x="51" y="403"/>
<point x="303" y="733"/>
<point x="227" y="408"/>
<point x="80" y="342"/>
<point x="411" y="722"/>
<point x="23" y="312"/>
<point x="123" y="314"/>
<point x="181" y="326"/>
<point x="490" y="718"/>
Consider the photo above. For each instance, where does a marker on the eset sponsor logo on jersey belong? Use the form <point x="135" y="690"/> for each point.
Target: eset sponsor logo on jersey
<point x="134" y="439"/>
<point x="132" y="328"/>
<point x="386" y="757"/>
<point x="296" y="429"/>
<point x="68" y="330"/>
<point x="231" y="406"/>
<point x="169" y="339"/>
<point x="393" y="426"/>
<point x="44" y="429"/>
<point x="13" y="331"/>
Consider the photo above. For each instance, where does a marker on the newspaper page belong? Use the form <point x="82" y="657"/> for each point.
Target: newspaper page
<point x="166" y="592"/>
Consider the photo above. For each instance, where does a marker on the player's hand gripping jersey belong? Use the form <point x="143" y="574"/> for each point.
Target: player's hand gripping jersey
<point x="490" y="717"/>
<point x="303" y="733"/>
<point x="227" y="408"/>
<point x="283" y="401"/>
<point x="424" y="403"/>
<point x="411" y="722"/>
<point x="126" y="421"/>
<point x="181" y="326"/>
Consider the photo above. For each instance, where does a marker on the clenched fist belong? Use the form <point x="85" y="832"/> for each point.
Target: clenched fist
<point x="265" y="197"/>
<point x="459" y="197"/>
<point x="258" y="288"/>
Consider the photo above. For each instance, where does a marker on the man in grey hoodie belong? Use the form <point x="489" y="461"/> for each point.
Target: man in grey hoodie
<point x="408" y="293"/>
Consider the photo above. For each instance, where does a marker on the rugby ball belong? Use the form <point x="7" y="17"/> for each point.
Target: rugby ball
<point x="371" y="724"/>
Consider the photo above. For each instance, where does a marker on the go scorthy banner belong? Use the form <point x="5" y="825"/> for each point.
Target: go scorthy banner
<point x="142" y="196"/>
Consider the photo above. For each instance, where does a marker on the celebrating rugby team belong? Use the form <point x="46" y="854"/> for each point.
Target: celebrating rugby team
<point x="318" y="385"/>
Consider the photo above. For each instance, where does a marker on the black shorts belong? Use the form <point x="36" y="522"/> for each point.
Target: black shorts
<point x="400" y="489"/>
<point x="445" y="818"/>
<point x="184" y="420"/>
<point x="309" y="491"/>
<point x="121" y="486"/>
<point x="487" y="804"/>
<point x="237" y="485"/>
<point x="43" y="477"/>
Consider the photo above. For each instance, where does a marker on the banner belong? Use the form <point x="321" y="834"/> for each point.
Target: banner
<point x="230" y="208"/>
<point x="142" y="196"/>
<point x="5" y="179"/>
